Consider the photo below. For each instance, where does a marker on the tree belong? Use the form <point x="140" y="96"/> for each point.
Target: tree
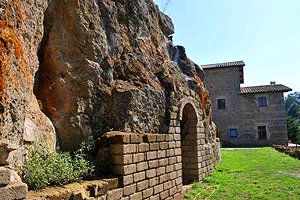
<point x="292" y="106"/>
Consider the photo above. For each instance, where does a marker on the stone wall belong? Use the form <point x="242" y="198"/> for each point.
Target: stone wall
<point x="273" y="117"/>
<point x="242" y="111"/>
<point x="153" y="166"/>
<point x="224" y="83"/>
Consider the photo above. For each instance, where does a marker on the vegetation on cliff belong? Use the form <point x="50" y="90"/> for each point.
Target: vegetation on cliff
<point x="292" y="106"/>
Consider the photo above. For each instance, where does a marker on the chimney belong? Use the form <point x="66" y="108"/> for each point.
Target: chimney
<point x="272" y="83"/>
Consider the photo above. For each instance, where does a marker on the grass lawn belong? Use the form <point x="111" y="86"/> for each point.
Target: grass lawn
<point x="251" y="174"/>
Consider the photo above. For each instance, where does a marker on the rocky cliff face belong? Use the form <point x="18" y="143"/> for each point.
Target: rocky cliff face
<point x="21" y="120"/>
<point x="93" y="66"/>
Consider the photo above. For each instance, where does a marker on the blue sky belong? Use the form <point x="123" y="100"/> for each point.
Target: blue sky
<point x="265" y="34"/>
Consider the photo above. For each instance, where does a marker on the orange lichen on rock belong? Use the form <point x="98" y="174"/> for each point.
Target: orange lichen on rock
<point x="10" y="45"/>
<point x="203" y="95"/>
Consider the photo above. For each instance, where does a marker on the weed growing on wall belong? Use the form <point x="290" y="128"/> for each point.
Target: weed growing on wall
<point x="44" y="167"/>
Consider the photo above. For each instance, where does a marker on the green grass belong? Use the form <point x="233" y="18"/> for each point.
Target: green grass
<point x="251" y="174"/>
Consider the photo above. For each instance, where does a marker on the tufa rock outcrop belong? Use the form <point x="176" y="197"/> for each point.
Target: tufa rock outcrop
<point x="21" y="120"/>
<point x="93" y="66"/>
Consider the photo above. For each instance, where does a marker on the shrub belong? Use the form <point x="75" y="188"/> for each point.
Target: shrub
<point x="44" y="167"/>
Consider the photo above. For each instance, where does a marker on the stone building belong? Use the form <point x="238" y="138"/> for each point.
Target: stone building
<point x="245" y="116"/>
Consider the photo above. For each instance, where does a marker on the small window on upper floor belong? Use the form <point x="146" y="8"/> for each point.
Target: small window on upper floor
<point x="262" y="102"/>
<point x="233" y="133"/>
<point x="221" y="104"/>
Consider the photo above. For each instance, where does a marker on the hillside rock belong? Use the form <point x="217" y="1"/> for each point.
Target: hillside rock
<point x="93" y="66"/>
<point x="21" y="120"/>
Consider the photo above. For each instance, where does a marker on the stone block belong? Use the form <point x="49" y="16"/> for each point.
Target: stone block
<point x="163" y="162"/>
<point x="153" y="181"/>
<point x="14" y="191"/>
<point x="172" y="160"/>
<point x="136" y="196"/>
<point x="129" y="169"/>
<point x="151" y="155"/>
<point x="158" y="189"/>
<point x="164" y="194"/>
<point x="154" y="146"/>
<point x="149" y="138"/>
<point x="139" y="157"/>
<point x="160" y="170"/>
<point x="139" y="176"/>
<point x="177" y="151"/>
<point x="147" y="193"/>
<point x="127" y="180"/>
<point x="151" y="173"/>
<point x="178" y="180"/>
<point x="153" y="164"/>
<point x="128" y="190"/>
<point x="172" y="175"/>
<point x="170" y="152"/>
<point x="161" y="137"/>
<point x="164" y="145"/>
<point x="129" y="148"/>
<point x="115" y="194"/>
<point x="177" y="137"/>
<point x="155" y="197"/>
<point x="143" y="147"/>
<point x="173" y="115"/>
<point x="163" y="178"/>
<point x="172" y="130"/>
<point x="170" y="168"/>
<point x="178" y="166"/>
<point x="170" y="137"/>
<point x="167" y="185"/>
<point x="162" y="154"/>
<point x="172" y="144"/>
<point x="135" y="138"/>
<point x="142" y="166"/>
<point x="142" y="185"/>
<point x="178" y="196"/>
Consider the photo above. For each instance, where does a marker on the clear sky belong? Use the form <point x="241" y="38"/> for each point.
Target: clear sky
<point x="265" y="34"/>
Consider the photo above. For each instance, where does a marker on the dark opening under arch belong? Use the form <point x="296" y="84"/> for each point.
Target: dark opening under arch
<point x="188" y="127"/>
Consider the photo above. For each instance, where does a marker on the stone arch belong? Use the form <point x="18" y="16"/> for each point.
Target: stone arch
<point x="189" y="151"/>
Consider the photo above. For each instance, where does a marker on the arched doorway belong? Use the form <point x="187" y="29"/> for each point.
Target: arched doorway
<point x="188" y="126"/>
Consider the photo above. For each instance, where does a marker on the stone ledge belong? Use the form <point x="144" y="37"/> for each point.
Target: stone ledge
<point x="14" y="191"/>
<point x="82" y="190"/>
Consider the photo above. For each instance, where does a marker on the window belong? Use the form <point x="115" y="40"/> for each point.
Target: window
<point x="262" y="101"/>
<point x="233" y="132"/>
<point x="262" y="132"/>
<point x="221" y="104"/>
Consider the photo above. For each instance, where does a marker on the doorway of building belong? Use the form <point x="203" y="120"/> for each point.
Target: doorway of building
<point x="188" y="126"/>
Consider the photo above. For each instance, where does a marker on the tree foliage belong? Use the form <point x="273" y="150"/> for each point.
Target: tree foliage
<point x="292" y="106"/>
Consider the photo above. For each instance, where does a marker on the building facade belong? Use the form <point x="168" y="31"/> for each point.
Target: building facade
<point x="245" y="116"/>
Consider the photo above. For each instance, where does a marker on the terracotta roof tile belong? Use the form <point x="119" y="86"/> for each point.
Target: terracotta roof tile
<point x="225" y="64"/>
<point x="264" y="89"/>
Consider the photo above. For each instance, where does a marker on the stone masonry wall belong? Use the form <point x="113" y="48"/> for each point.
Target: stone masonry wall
<point x="150" y="165"/>
<point x="242" y="111"/>
<point x="224" y="83"/>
